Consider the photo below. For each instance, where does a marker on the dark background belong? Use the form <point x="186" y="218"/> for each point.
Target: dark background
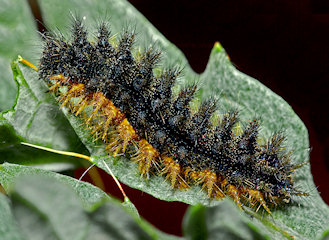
<point x="283" y="44"/>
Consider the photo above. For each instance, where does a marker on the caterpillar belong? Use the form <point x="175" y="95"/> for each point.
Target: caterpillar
<point x="114" y="88"/>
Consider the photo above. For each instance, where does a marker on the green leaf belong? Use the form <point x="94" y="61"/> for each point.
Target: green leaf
<point x="87" y="193"/>
<point x="36" y="118"/>
<point x="35" y="115"/>
<point x="8" y="226"/>
<point x="18" y="35"/>
<point x="226" y="221"/>
<point x="194" y="224"/>
<point x="48" y="205"/>
<point x="110" y="222"/>
<point x="45" y="209"/>
<point x="12" y="151"/>
<point x="305" y="218"/>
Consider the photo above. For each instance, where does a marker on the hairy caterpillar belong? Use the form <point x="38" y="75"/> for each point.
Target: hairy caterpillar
<point x="128" y="105"/>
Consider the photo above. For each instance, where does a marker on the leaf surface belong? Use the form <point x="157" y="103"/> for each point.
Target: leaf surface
<point x="17" y="36"/>
<point x="48" y="205"/>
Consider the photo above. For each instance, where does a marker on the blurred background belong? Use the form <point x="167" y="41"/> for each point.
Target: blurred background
<point x="283" y="44"/>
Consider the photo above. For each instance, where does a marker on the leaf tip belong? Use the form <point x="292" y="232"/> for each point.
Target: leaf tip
<point x="218" y="47"/>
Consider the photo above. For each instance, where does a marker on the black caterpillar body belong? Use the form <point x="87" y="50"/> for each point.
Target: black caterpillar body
<point x="242" y="168"/>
